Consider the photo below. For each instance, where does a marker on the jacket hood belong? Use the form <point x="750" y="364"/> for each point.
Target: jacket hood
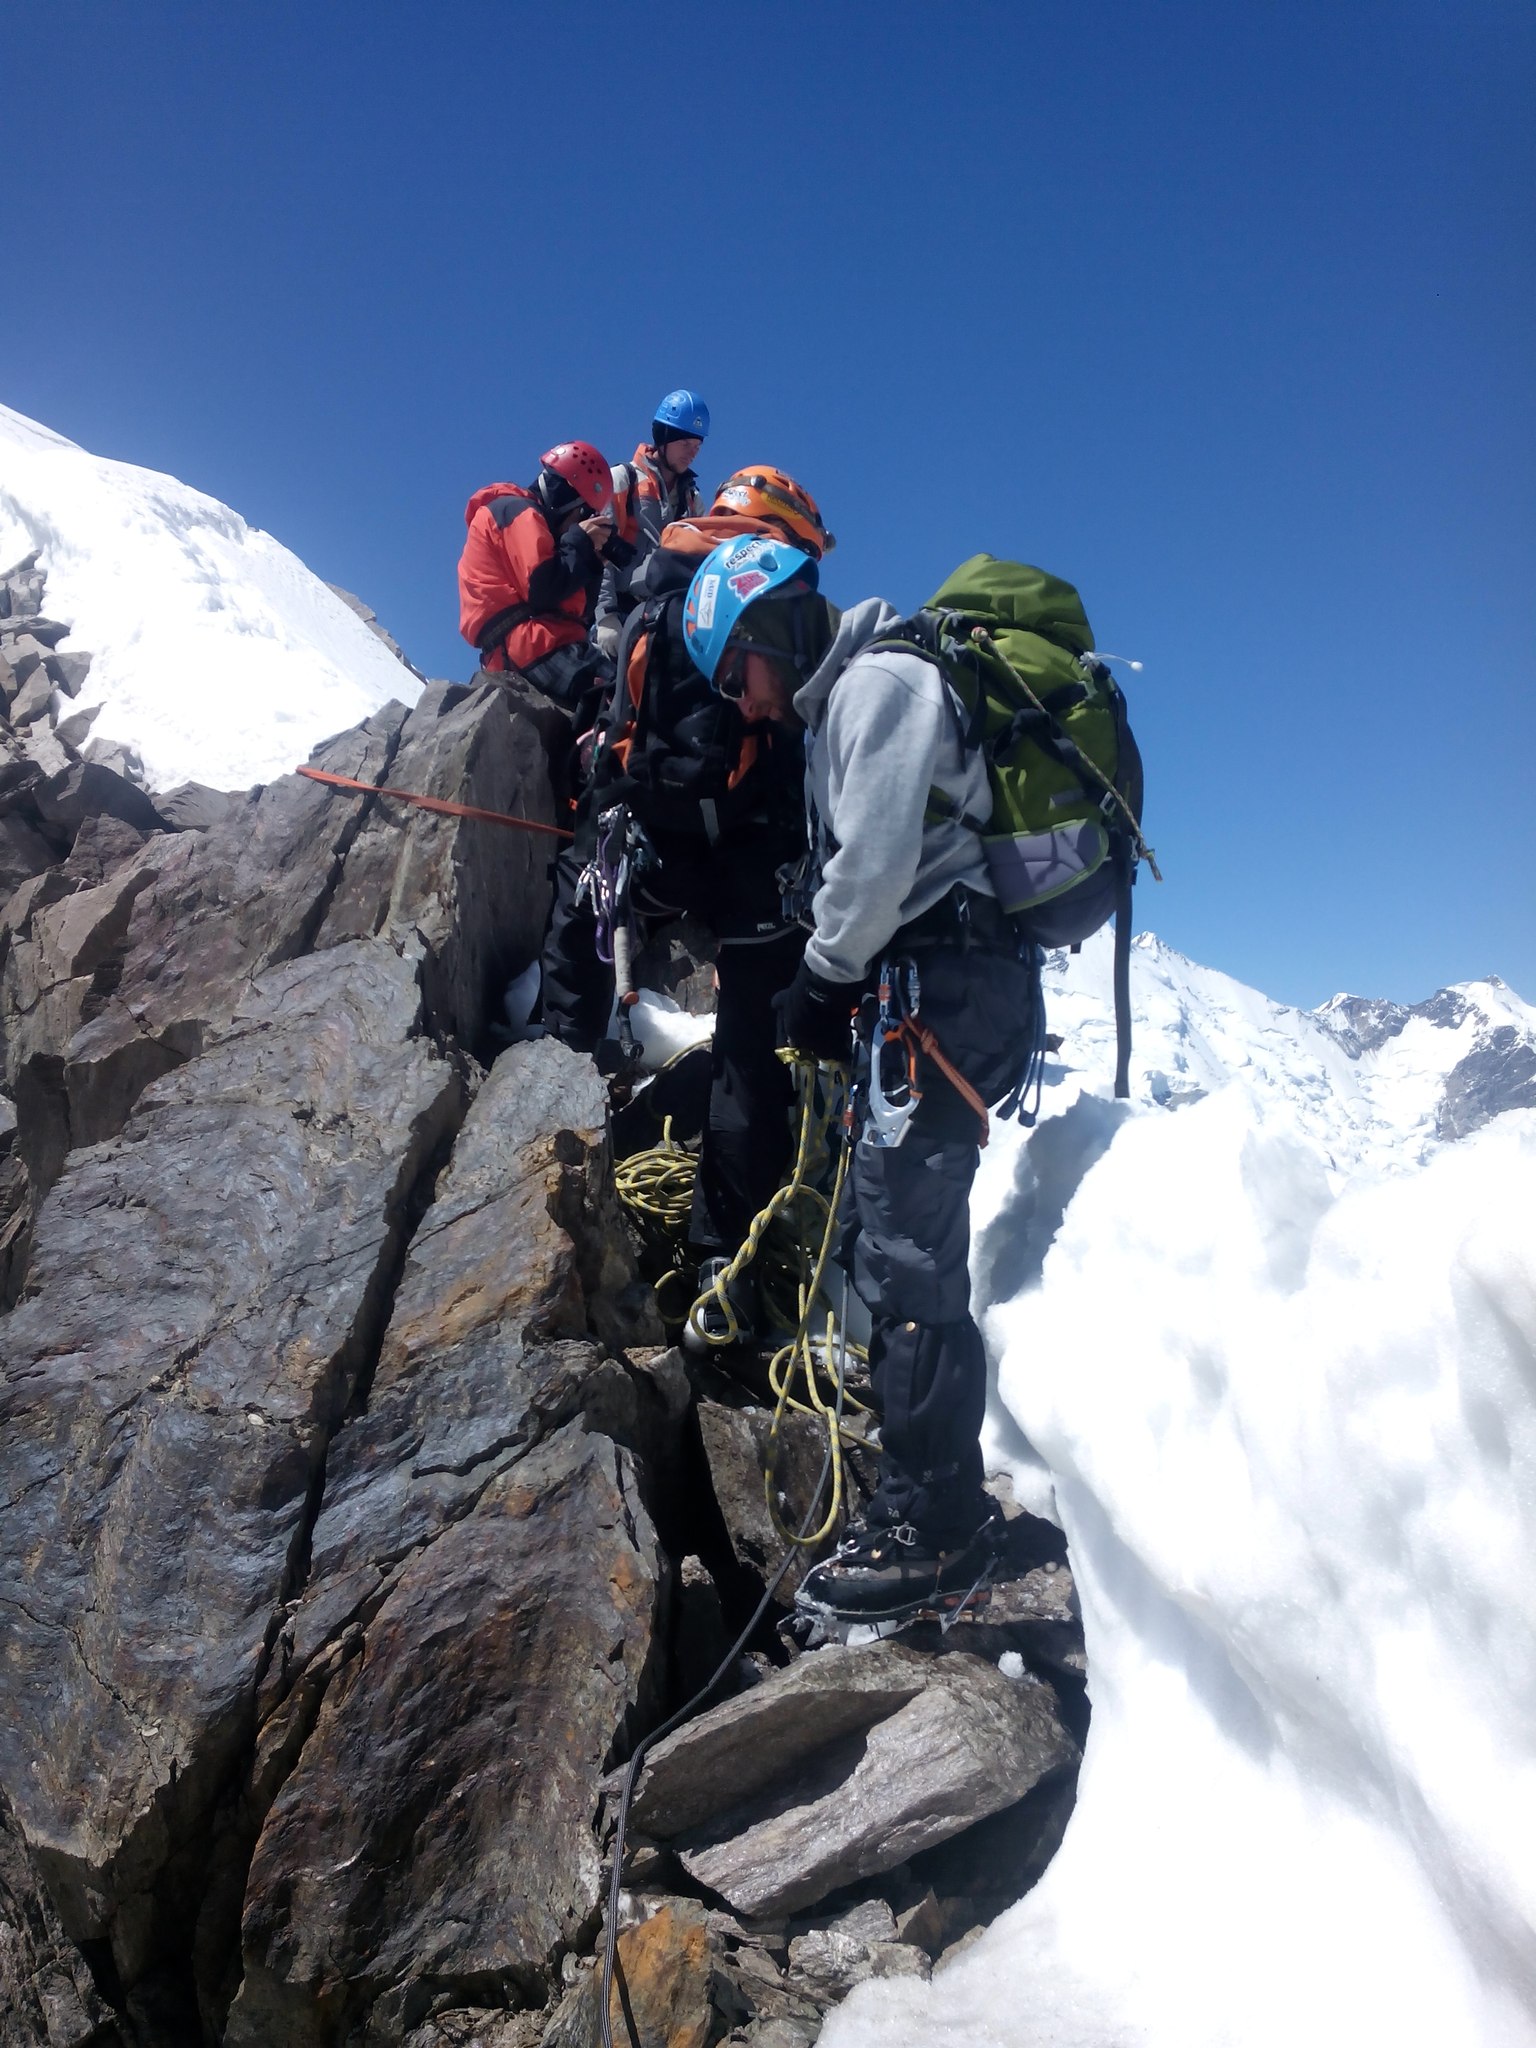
<point x="698" y="536"/>
<point x="491" y="492"/>
<point x="857" y="626"/>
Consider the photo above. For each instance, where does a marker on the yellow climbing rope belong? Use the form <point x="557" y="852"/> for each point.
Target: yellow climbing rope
<point x="800" y="1204"/>
<point x="656" y="1187"/>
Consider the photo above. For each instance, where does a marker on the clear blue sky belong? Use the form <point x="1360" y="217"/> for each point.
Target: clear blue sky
<point x="1223" y="311"/>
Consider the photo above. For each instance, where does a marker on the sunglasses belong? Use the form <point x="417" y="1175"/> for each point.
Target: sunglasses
<point x="731" y="674"/>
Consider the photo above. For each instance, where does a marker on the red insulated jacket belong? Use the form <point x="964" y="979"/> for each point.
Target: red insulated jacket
<point x="523" y="590"/>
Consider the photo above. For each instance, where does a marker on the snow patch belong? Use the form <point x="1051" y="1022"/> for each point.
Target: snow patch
<point x="1287" y="1418"/>
<point x="215" y="652"/>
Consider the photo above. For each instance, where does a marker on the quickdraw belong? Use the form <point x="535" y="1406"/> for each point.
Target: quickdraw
<point x="623" y="853"/>
<point x="892" y="1086"/>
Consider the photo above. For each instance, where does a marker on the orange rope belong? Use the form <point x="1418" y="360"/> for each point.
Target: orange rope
<point x="435" y="803"/>
<point x="923" y="1035"/>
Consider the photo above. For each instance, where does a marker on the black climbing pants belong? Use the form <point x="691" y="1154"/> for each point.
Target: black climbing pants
<point x="906" y="1242"/>
<point x="732" y="889"/>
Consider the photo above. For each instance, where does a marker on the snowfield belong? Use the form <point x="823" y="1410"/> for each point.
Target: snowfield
<point x="215" y="652"/>
<point x="1269" y="1356"/>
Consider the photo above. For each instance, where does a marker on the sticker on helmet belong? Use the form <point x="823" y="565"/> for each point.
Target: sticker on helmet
<point x="748" y="582"/>
<point x="709" y="590"/>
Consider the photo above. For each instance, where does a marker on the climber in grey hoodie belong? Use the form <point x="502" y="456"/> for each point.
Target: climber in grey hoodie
<point x="900" y="887"/>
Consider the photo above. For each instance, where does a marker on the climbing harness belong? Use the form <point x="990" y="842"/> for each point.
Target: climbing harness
<point x="888" y="1060"/>
<point x="439" y="804"/>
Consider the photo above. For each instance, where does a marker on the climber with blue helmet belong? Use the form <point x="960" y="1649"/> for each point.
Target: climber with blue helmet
<point x="656" y="486"/>
<point x="903" y="911"/>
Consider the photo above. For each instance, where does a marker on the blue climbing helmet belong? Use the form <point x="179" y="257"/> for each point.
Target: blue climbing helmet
<point x="741" y="594"/>
<point x="684" y="413"/>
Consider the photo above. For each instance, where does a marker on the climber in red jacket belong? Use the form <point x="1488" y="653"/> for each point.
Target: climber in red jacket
<point x="530" y="571"/>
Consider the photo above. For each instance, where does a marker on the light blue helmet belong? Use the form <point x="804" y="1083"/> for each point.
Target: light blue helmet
<point x="734" y="576"/>
<point x="684" y="412"/>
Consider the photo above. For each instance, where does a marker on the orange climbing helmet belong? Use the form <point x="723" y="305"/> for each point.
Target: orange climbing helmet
<point x="767" y="493"/>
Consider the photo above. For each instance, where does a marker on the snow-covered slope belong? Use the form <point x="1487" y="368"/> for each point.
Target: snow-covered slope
<point x="1266" y="1345"/>
<point x="1367" y="1080"/>
<point x="216" y="653"/>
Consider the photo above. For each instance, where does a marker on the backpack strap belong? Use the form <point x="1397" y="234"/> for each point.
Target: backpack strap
<point x="1122" y="975"/>
<point x="923" y="635"/>
<point x="504" y="510"/>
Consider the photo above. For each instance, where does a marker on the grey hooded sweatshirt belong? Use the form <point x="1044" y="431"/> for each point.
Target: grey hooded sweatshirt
<point x="883" y="733"/>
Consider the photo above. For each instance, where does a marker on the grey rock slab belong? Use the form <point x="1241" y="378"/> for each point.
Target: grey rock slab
<point x="24" y="852"/>
<point x="474" y="896"/>
<point x="30" y="702"/>
<point x="827" y="1962"/>
<point x="737" y="1450"/>
<point x="220" y="907"/>
<point x="18" y="771"/>
<point x="843" y="1766"/>
<point x="437" y="1831"/>
<point x="204" y="1291"/>
<point x="26" y="653"/>
<point x="194" y="807"/>
<point x="100" y="784"/>
<point x="73" y="726"/>
<point x="69" y="671"/>
<point x="49" y="631"/>
<point x="488" y="1345"/>
<point x="41" y="747"/>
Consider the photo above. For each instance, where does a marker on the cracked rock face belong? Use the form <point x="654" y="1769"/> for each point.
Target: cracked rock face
<point x="487" y="1347"/>
<point x="205" y="1286"/>
<point x="437" y="1833"/>
<point x="486" y="1569"/>
<point x="107" y="987"/>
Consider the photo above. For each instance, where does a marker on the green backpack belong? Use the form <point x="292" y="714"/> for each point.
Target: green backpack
<point x="1064" y="836"/>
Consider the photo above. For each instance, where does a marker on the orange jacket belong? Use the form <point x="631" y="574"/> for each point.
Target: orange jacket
<point x="514" y="562"/>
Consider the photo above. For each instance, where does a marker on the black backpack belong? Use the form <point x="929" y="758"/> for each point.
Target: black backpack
<point x="672" y="747"/>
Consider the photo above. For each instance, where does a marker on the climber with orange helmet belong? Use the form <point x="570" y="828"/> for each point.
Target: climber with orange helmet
<point x="774" y="501"/>
<point x="719" y="794"/>
<point x="532" y="564"/>
<point x="656" y="486"/>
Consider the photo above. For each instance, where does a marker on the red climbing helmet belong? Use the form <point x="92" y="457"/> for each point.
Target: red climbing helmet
<point x="578" y="464"/>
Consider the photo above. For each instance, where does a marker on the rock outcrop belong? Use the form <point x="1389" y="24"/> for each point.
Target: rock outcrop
<point x="355" y="1518"/>
<point x="842" y="1767"/>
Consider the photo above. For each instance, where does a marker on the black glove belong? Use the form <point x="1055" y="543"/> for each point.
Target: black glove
<point x="816" y="1016"/>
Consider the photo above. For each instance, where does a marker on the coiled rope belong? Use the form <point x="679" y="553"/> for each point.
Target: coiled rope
<point x="657" y="1187"/>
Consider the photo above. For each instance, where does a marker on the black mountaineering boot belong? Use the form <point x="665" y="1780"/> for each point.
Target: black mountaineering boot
<point x="892" y="1572"/>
